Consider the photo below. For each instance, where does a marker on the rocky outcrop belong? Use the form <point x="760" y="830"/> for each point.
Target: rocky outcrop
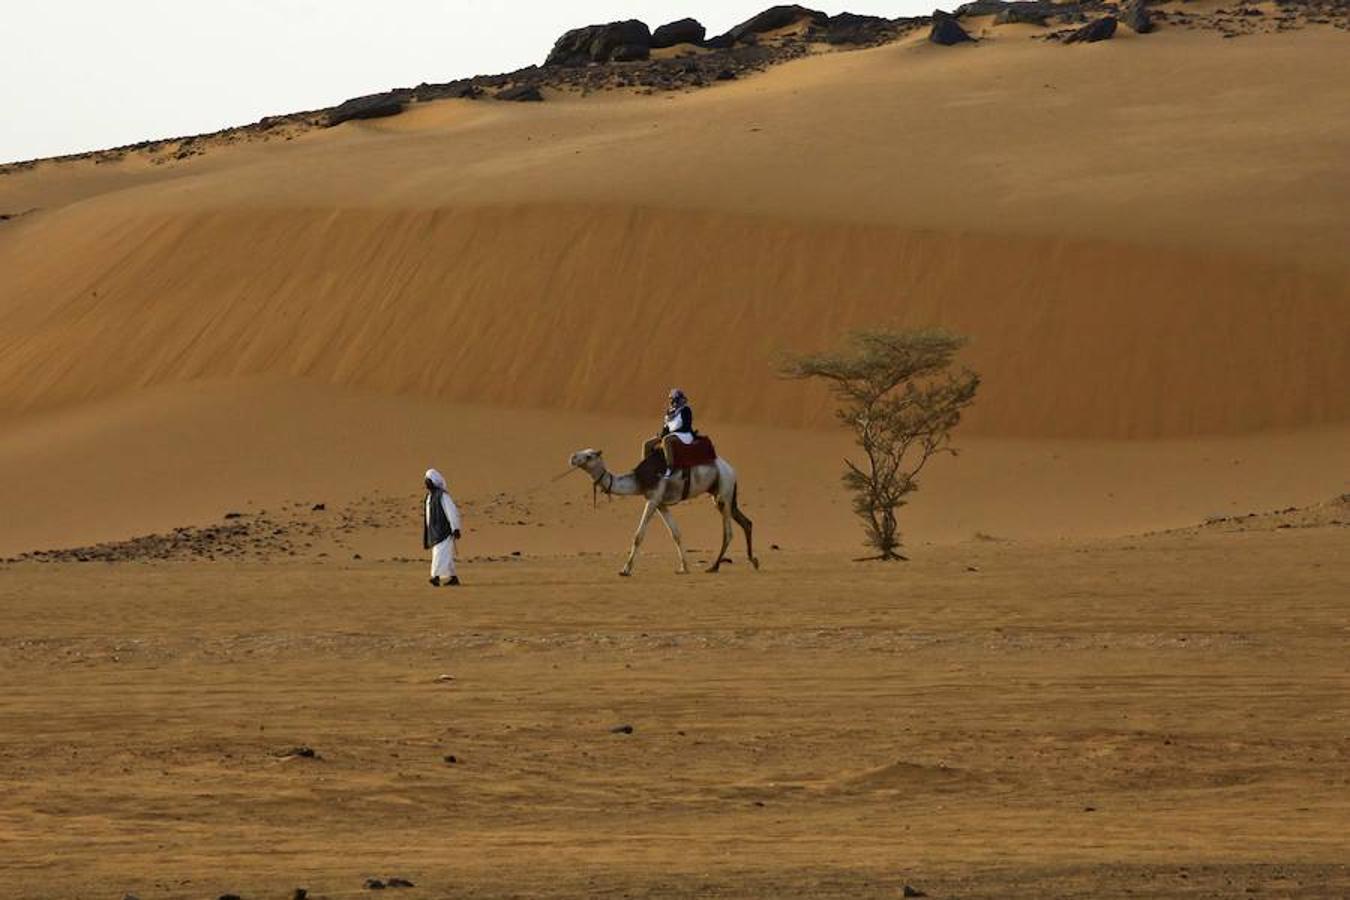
<point x="684" y="31"/>
<point x="982" y="8"/>
<point x="521" y="93"/>
<point x="613" y="42"/>
<point x="1021" y="14"/>
<point x="771" y="19"/>
<point x="1097" y="30"/>
<point x="1137" y="18"/>
<point x="946" y="30"/>
<point x="851" y="28"/>
<point x="373" y="106"/>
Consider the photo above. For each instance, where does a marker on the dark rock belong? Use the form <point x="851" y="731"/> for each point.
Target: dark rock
<point x="851" y="28"/>
<point x="234" y="515"/>
<point x="452" y="759"/>
<point x="621" y="729"/>
<point x="597" y="43"/>
<point x="302" y="751"/>
<point x="1020" y="14"/>
<point x="300" y="894"/>
<point x="375" y="106"/>
<point x="630" y="53"/>
<point x="228" y="897"/>
<point x="318" y="507"/>
<point x="1137" y="18"/>
<point x="1094" y="31"/>
<point x="1016" y="11"/>
<point x="374" y="884"/>
<point x="946" y="30"/>
<point x="854" y="20"/>
<point x="521" y="93"/>
<point x="771" y="19"/>
<point x="912" y="892"/>
<point x="726" y="75"/>
<point x="980" y="8"/>
<point x="684" y="31"/>
<point x="399" y="883"/>
<point x="468" y="91"/>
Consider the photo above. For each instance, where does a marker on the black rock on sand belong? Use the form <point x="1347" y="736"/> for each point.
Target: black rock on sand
<point x="946" y="30"/>
<point x="1098" y="30"/>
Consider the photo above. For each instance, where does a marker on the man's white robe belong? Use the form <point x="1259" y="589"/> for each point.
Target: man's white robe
<point x="673" y="423"/>
<point x="443" y="554"/>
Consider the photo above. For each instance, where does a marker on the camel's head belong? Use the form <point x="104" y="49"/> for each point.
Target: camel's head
<point x="587" y="459"/>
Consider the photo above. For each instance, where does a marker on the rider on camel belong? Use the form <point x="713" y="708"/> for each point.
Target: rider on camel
<point x="679" y="426"/>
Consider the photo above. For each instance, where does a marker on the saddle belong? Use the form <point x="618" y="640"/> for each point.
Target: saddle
<point x="700" y="453"/>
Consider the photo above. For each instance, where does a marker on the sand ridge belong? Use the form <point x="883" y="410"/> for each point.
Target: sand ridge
<point x="739" y="52"/>
<point x="1144" y="230"/>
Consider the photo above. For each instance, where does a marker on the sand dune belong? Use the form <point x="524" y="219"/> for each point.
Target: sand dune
<point x="1153" y="277"/>
<point x="1149" y="261"/>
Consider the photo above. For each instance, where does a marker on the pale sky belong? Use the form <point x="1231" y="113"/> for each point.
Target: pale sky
<point x="81" y="75"/>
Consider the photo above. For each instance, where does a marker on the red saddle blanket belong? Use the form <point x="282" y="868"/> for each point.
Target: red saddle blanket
<point x="699" y="453"/>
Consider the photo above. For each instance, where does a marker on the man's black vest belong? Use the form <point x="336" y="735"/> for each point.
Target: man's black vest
<point x="686" y="414"/>
<point x="437" y="526"/>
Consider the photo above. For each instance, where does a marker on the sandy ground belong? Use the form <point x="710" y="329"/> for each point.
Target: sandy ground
<point x="1161" y="716"/>
<point x="187" y="455"/>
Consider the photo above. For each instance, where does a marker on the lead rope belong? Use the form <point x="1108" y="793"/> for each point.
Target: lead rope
<point x="596" y="488"/>
<point x="595" y="485"/>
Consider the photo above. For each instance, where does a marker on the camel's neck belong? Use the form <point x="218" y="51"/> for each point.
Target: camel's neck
<point x="623" y="485"/>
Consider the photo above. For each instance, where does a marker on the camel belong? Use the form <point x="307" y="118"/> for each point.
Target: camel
<point x="718" y="479"/>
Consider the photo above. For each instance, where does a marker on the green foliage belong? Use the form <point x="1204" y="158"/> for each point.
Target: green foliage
<point x="899" y="395"/>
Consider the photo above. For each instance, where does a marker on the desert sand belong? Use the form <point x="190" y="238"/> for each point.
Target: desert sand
<point x="1115" y="663"/>
<point x="1156" y="717"/>
<point x="1118" y="257"/>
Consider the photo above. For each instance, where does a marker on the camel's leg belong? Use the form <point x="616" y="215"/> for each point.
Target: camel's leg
<point x="747" y="526"/>
<point x="725" y="510"/>
<point x="647" y="512"/>
<point x="674" y="529"/>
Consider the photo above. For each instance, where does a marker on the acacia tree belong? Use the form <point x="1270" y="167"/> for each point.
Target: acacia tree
<point x="898" y="393"/>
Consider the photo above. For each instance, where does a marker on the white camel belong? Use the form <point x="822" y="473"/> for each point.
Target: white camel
<point x="717" y="479"/>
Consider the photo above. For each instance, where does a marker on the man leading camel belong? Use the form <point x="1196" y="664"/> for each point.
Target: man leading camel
<point x="679" y="426"/>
